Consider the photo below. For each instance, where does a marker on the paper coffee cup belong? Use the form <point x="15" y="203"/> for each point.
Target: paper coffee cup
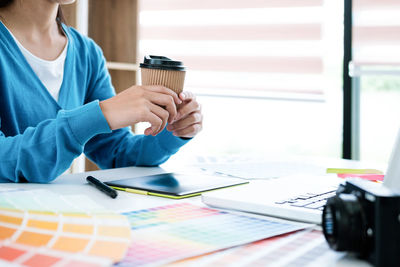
<point x="159" y="70"/>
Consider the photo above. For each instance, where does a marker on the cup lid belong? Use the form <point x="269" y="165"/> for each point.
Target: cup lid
<point x="162" y="63"/>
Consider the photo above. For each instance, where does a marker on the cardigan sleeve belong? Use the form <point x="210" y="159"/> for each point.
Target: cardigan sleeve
<point x="43" y="152"/>
<point x="121" y="147"/>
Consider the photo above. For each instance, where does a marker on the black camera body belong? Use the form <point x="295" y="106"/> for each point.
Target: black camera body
<point x="364" y="218"/>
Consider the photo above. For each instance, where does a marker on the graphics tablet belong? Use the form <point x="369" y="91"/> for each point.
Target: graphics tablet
<point x="174" y="185"/>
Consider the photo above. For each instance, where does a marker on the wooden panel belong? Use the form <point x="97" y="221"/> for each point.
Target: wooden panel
<point x="69" y="12"/>
<point x="113" y="25"/>
<point x="234" y="32"/>
<point x="122" y="79"/>
<point x="223" y="4"/>
<point x="90" y="165"/>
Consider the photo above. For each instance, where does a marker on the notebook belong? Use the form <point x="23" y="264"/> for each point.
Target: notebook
<point x="174" y="185"/>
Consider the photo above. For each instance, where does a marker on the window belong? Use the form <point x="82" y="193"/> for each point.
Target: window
<point x="266" y="72"/>
<point x="376" y="65"/>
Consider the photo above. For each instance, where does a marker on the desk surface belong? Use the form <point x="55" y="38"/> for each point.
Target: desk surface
<point x="76" y="183"/>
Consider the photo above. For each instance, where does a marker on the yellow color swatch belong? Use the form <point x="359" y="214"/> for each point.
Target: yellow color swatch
<point x="43" y="224"/>
<point x="77" y="215"/>
<point x="42" y="212"/>
<point x="78" y="228"/>
<point x="33" y="239"/>
<point x="71" y="244"/>
<point x="115" y="231"/>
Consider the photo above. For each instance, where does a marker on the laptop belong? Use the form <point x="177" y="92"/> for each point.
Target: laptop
<point x="294" y="197"/>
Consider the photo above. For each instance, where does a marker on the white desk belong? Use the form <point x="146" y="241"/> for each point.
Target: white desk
<point x="76" y="184"/>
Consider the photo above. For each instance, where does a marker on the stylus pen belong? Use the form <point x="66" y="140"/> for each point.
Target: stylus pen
<point x="102" y="187"/>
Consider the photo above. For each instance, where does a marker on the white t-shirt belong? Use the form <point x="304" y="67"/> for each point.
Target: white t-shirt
<point x="50" y="72"/>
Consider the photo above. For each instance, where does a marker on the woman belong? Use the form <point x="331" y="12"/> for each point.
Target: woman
<point x="57" y="101"/>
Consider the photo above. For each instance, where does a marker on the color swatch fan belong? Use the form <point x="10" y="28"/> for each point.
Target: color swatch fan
<point x="63" y="238"/>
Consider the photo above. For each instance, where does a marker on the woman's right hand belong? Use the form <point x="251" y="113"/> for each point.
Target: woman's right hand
<point x="154" y="104"/>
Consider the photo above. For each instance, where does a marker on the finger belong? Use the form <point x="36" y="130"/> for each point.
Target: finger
<point x="154" y="121"/>
<point x="192" y="118"/>
<point x="164" y="101"/>
<point x="189" y="131"/>
<point x="164" y="90"/>
<point x="148" y="131"/>
<point x="187" y="109"/>
<point x="186" y="96"/>
<point x="162" y="114"/>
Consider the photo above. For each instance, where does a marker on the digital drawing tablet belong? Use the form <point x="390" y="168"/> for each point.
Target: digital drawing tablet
<point x="174" y="185"/>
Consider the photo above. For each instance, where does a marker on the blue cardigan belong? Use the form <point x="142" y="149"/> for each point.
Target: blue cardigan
<point x="39" y="138"/>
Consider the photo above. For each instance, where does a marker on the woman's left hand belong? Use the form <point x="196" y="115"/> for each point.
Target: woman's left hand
<point x="189" y="120"/>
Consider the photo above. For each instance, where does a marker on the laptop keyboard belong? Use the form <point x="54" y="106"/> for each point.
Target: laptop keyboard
<point x="315" y="201"/>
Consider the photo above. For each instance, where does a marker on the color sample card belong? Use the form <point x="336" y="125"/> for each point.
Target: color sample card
<point x="369" y="177"/>
<point x="43" y="236"/>
<point x="304" y="248"/>
<point x="169" y="233"/>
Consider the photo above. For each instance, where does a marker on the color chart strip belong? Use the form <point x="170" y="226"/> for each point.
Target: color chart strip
<point x="169" y="233"/>
<point x="304" y="248"/>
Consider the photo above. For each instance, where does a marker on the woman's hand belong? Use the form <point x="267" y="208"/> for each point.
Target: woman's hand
<point x="189" y="120"/>
<point x="153" y="104"/>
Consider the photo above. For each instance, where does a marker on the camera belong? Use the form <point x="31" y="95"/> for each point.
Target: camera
<point x="364" y="218"/>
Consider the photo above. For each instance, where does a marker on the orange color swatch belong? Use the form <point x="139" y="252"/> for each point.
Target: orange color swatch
<point x="10" y="219"/>
<point x="71" y="244"/>
<point x="34" y="239"/>
<point x="6" y="232"/>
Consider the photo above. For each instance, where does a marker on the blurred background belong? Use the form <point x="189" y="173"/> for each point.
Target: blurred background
<point x="268" y="73"/>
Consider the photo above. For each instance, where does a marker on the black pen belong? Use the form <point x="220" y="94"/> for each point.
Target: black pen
<point x="102" y="187"/>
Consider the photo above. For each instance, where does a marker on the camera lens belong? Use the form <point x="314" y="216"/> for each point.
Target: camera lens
<point x="344" y="224"/>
